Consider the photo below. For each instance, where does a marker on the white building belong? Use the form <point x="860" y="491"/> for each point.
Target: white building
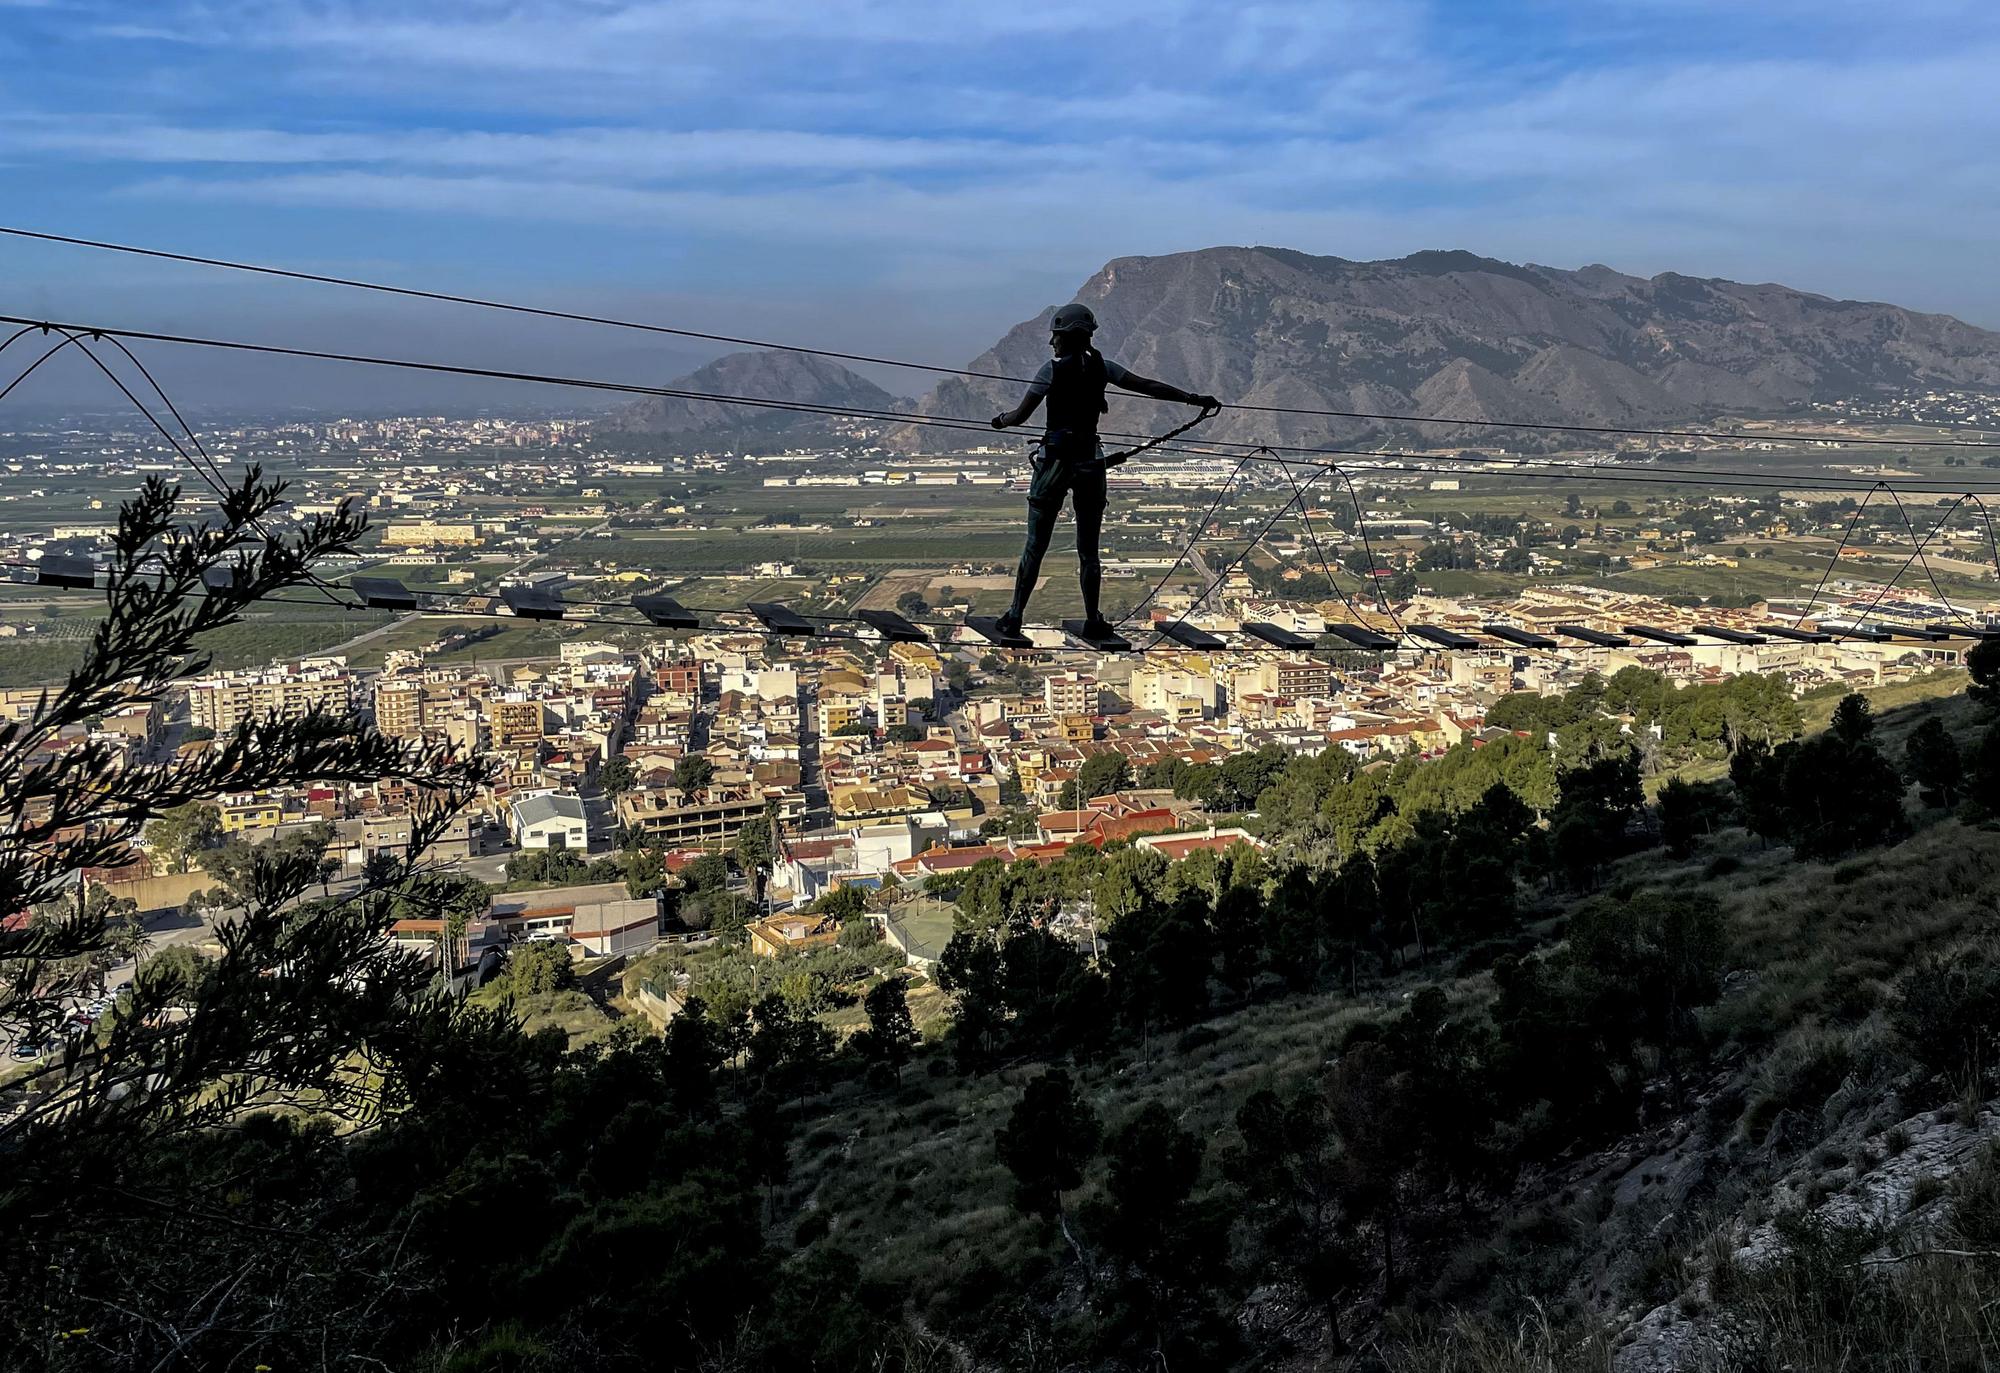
<point x="553" y="820"/>
<point x="1070" y="693"/>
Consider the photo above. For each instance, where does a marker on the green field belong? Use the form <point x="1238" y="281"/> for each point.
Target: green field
<point x="276" y="630"/>
<point x="924" y="531"/>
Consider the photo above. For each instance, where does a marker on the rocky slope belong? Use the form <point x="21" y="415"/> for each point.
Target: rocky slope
<point x="1451" y="333"/>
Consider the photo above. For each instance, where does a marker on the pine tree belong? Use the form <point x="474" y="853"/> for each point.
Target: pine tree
<point x="891" y="1034"/>
<point x="1931" y="758"/>
<point x="1853" y="719"/>
<point x="305" y="988"/>
<point x="1048" y="1138"/>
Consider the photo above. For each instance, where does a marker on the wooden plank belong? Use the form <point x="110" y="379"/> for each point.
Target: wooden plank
<point x="1362" y="637"/>
<point x="1443" y="638"/>
<point x="1520" y="637"/>
<point x="383" y="593"/>
<point x="1108" y="643"/>
<point x="665" y="612"/>
<point x="1187" y="636"/>
<point x="1593" y="636"/>
<point x="1662" y="636"/>
<point x="1278" y="638"/>
<point x="530" y="603"/>
<point x="892" y="626"/>
<point x="782" y="619"/>
<point x="55" y="569"/>
<point x="987" y="627"/>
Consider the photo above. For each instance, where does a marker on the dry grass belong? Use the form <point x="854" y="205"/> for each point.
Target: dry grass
<point x="1828" y="939"/>
<point x="1473" y="1344"/>
<point x="909" y="1181"/>
<point x="1852" y="1298"/>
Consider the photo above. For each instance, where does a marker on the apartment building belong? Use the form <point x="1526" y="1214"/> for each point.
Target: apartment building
<point x="224" y="701"/>
<point x="399" y="707"/>
<point x="1070" y="693"/>
<point x="1312" y="680"/>
<point x="715" y="817"/>
<point x="514" y="720"/>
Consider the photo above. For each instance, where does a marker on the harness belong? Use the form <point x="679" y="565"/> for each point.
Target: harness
<point x="1074" y="401"/>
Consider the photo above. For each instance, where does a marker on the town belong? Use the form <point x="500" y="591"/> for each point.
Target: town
<point x="846" y="764"/>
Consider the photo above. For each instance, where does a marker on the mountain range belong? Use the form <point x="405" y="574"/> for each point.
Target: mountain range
<point x="1435" y="333"/>
<point x="771" y="375"/>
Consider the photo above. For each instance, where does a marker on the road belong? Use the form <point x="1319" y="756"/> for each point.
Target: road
<point x="1203" y="574"/>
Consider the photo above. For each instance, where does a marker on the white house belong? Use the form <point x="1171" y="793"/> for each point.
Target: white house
<point x="553" y="820"/>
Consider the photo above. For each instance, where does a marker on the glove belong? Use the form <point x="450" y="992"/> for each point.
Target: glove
<point x="1205" y="402"/>
<point x="1001" y="421"/>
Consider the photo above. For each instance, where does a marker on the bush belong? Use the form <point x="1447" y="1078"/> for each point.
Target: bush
<point x="1799" y="1076"/>
<point x="1946" y="1012"/>
<point x="1975" y="1202"/>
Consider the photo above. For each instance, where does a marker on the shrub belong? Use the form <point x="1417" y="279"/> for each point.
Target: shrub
<point x="1800" y="1075"/>
<point x="1946" y="1012"/>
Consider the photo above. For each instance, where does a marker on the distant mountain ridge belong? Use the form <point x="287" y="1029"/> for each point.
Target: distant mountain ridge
<point x="1455" y="334"/>
<point x="774" y="375"/>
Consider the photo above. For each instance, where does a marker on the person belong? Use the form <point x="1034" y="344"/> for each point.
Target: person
<point x="1069" y="461"/>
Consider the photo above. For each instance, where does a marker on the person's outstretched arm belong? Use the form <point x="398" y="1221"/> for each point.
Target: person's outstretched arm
<point x="1030" y="401"/>
<point x="1128" y="380"/>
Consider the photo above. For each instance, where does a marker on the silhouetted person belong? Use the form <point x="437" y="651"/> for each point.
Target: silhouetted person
<point x="1069" y="460"/>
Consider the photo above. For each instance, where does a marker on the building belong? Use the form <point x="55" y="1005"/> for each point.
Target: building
<point x="143" y="722"/>
<point x="1174" y="847"/>
<point x="423" y="533"/>
<point x="1070" y="693"/>
<point x="789" y="933"/>
<point x="679" y="679"/>
<point x="251" y="811"/>
<point x="602" y="917"/>
<point x="516" y="719"/>
<point x="839" y="710"/>
<point x="399" y="707"/>
<point x="669" y="815"/>
<point x="553" y="820"/>
<point x="1312" y="680"/>
<point x="224" y="701"/>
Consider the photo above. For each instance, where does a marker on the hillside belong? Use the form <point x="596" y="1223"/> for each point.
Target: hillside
<point x="1453" y="333"/>
<point x="772" y="375"/>
<point x="1815" y="1126"/>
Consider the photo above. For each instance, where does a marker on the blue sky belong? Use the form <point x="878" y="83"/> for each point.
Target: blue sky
<point x="915" y="177"/>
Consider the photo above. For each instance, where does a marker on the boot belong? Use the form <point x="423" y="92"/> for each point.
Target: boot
<point x="1025" y="578"/>
<point x="1091" y="581"/>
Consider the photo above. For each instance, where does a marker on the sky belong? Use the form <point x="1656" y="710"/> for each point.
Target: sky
<point x="914" y="177"/>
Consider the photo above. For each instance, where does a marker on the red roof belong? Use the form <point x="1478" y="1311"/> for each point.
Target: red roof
<point x="943" y="859"/>
<point x="1181" y="845"/>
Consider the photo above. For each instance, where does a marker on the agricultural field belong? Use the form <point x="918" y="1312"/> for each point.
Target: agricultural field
<point x="701" y="534"/>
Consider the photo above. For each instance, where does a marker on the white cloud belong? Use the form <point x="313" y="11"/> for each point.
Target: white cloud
<point x="1834" y="145"/>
